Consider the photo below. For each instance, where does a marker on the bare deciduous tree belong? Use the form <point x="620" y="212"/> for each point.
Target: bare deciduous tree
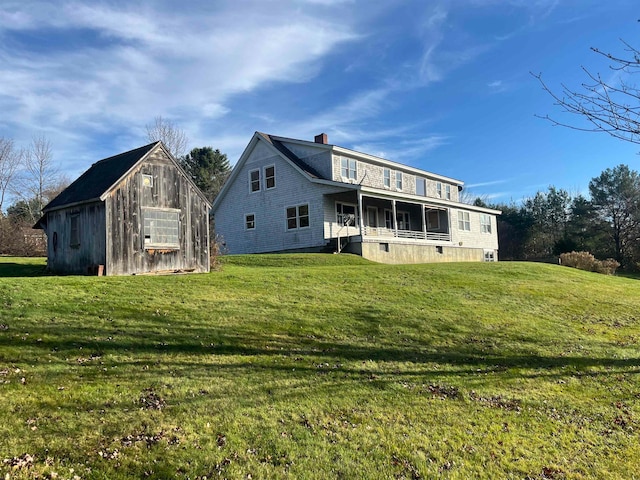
<point x="10" y="159"/>
<point x="168" y="133"/>
<point x="611" y="106"/>
<point x="38" y="176"/>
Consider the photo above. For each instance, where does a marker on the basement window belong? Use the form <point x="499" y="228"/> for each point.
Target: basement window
<point x="489" y="256"/>
<point x="161" y="228"/>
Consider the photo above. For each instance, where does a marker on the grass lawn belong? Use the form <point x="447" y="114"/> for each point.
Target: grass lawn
<point x="310" y="366"/>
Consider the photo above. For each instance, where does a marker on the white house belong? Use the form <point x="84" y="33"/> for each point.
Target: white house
<point x="287" y="195"/>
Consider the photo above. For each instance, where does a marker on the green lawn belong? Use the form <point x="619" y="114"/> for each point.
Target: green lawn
<point x="310" y="366"/>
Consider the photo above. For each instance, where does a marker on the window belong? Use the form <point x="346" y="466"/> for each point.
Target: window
<point x="439" y="250"/>
<point x="421" y="186"/>
<point x="346" y="214"/>
<point x="74" y="232"/>
<point x="485" y="223"/>
<point x="388" y="219"/>
<point x="387" y="178"/>
<point x="249" y="221"/>
<point x="403" y="221"/>
<point x="254" y="179"/>
<point x="384" y="247"/>
<point x="348" y="169"/>
<point x="433" y="219"/>
<point x="463" y="221"/>
<point x="270" y="177"/>
<point x="489" y="256"/>
<point x="297" y="217"/>
<point x="439" y="189"/>
<point x="447" y="192"/>
<point x="147" y="180"/>
<point x="399" y="180"/>
<point x="161" y="227"/>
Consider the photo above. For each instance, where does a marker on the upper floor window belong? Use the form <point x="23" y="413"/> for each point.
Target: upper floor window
<point x="348" y="168"/>
<point x="439" y="189"/>
<point x="270" y="177"/>
<point x="387" y="177"/>
<point x="447" y="192"/>
<point x="485" y="223"/>
<point x="399" y="180"/>
<point x="297" y="217"/>
<point x="254" y="179"/>
<point x="464" y="223"/>
<point x="147" y="180"/>
<point x="421" y="186"/>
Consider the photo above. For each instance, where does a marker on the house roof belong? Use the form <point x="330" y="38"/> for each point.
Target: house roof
<point x="99" y="178"/>
<point x="308" y="169"/>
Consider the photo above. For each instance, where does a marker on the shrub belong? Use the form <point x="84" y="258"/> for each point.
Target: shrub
<point x="586" y="261"/>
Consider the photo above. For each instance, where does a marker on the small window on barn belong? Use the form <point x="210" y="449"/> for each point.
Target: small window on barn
<point x="74" y="231"/>
<point x="270" y="177"/>
<point x="161" y="228"/>
<point x="254" y="180"/>
<point x="147" y="180"/>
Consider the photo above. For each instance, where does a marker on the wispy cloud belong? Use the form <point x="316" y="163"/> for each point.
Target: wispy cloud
<point x="489" y="183"/>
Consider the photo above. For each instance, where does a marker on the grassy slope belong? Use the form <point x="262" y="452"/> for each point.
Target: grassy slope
<point x="321" y="367"/>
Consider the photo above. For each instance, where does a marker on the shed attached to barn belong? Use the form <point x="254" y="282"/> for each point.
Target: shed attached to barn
<point x="136" y="212"/>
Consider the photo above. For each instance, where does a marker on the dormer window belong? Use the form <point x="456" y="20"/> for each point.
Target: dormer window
<point x="348" y="168"/>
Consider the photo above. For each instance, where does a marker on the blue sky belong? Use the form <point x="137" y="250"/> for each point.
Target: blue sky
<point x="439" y="85"/>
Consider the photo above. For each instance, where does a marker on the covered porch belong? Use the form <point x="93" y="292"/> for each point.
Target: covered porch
<point x="370" y="217"/>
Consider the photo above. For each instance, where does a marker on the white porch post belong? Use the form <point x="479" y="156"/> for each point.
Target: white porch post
<point x="360" y="211"/>
<point x="395" y="218"/>
<point x="424" y="220"/>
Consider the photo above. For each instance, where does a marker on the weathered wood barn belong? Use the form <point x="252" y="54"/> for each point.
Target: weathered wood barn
<point x="136" y="212"/>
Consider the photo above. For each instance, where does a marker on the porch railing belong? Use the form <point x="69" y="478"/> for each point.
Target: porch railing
<point x="412" y="234"/>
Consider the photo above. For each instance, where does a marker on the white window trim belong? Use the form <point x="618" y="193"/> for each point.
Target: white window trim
<point x="251" y="190"/>
<point x="349" y="178"/>
<point x="146" y="176"/>
<point x="264" y="171"/>
<point x="466" y="221"/>
<point x="399" y="180"/>
<point x="489" y="256"/>
<point x="439" y="189"/>
<point x="485" y="223"/>
<point x="298" y="227"/>
<point x="406" y="216"/>
<point x="245" y="222"/>
<point x="355" y="209"/>
<point x="447" y="191"/>
<point x="386" y="178"/>
<point x="423" y="181"/>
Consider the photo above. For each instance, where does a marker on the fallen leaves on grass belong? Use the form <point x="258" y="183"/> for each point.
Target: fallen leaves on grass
<point x="15" y="463"/>
<point x="497" y="401"/>
<point x="407" y="469"/>
<point x="150" y="400"/>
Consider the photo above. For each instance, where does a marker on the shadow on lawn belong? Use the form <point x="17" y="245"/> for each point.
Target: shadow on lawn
<point x="8" y="269"/>
<point x="301" y="353"/>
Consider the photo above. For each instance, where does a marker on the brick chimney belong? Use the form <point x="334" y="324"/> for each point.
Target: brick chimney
<point x="322" y="138"/>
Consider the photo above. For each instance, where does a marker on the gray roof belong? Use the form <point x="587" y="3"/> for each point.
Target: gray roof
<point x="99" y="178"/>
<point x="308" y="169"/>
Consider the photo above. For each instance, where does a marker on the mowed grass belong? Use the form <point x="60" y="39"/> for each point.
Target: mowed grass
<point x="312" y="366"/>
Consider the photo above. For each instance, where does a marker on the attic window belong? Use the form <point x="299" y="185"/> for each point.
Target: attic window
<point x="147" y="180"/>
<point x="270" y="177"/>
<point x="161" y="228"/>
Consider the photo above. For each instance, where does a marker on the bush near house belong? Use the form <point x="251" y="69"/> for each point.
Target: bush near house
<point x="586" y="261"/>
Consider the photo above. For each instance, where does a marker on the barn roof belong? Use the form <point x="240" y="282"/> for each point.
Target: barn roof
<point x="99" y="178"/>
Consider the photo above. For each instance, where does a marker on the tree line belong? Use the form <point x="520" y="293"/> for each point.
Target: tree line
<point x="30" y="178"/>
<point x="605" y="223"/>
